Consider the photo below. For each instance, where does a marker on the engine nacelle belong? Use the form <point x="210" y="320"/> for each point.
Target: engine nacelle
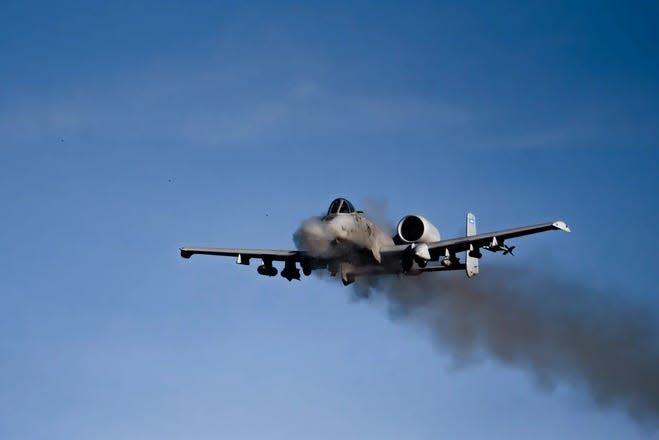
<point x="416" y="229"/>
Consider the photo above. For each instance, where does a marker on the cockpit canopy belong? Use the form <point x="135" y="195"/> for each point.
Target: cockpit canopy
<point x="340" y="206"/>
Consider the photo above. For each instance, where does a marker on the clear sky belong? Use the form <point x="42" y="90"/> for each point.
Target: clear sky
<point x="129" y="129"/>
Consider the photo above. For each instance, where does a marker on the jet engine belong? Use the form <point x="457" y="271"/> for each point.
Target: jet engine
<point x="416" y="229"/>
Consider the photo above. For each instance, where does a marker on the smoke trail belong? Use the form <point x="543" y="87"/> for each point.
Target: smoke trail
<point x="558" y="330"/>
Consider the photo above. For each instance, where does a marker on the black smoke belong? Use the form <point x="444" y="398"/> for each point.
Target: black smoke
<point x="559" y="330"/>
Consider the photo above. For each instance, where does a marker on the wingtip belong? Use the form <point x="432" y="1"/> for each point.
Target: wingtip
<point x="185" y="253"/>
<point x="561" y="225"/>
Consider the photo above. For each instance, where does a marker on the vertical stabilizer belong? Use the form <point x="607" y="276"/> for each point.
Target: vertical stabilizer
<point x="471" y="262"/>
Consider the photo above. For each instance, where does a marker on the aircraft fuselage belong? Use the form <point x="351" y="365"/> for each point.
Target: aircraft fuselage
<point x="354" y="234"/>
<point x="347" y="241"/>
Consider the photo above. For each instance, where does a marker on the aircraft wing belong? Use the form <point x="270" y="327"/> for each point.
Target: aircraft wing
<point x="243" y="255"/>
<point x="489" y="240"/>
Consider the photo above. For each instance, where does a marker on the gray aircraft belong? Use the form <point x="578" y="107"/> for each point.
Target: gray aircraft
<point x="347" y="243"/>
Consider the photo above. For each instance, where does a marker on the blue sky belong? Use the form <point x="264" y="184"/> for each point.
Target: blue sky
<point x="131" y="129"/>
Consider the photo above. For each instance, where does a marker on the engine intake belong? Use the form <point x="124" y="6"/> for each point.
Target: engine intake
<point x="416" y="229"/>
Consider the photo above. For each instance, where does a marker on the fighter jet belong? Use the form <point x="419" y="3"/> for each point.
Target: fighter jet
<point x="347" y="243"/>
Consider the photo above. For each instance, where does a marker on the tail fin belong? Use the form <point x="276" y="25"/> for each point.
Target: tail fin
<point x="471" y="263"/>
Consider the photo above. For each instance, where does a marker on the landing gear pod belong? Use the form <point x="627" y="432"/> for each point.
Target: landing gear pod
<point x="347" y="275"/>
<point x="472" y="255"/>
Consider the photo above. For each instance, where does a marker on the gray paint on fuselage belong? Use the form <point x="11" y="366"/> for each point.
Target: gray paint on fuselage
<point x="359" y="233"/>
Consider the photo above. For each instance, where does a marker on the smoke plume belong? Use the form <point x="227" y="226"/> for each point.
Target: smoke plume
<point x="558" y="330"/>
